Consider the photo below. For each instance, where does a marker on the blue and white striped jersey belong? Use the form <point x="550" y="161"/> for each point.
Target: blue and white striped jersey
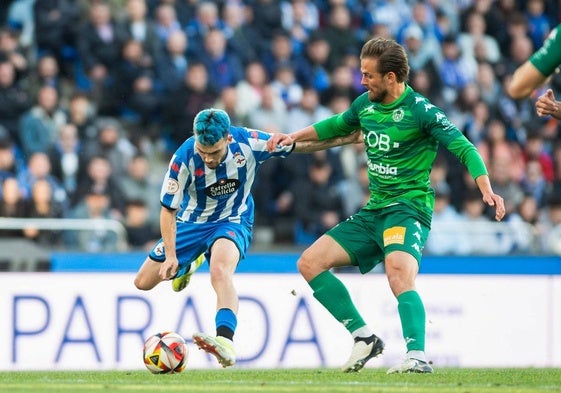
<point x="221" y="194"/>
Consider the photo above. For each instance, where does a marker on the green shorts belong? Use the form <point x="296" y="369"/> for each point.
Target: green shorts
<point x="369" y="235"/>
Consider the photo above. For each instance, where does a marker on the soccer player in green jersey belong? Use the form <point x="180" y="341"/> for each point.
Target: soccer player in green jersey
<point x="401" y="130"/>
<point x="536" y="71"/>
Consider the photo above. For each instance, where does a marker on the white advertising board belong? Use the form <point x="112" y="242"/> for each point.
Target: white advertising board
<point x="99" y="321"/>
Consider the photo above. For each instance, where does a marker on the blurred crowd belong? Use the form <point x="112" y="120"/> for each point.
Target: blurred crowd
<point x="96" y="95"/>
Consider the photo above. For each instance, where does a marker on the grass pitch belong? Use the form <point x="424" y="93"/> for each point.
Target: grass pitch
<point x="446" y="380"/>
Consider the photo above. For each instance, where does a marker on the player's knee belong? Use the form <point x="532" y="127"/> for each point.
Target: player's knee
<point x="139" y="283"/>
<point x="307" y="267"/>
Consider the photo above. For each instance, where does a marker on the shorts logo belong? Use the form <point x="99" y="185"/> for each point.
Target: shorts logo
<point x="172" y="186"/>
<point x="394" y="235"/>
<point x="159" y="249"/>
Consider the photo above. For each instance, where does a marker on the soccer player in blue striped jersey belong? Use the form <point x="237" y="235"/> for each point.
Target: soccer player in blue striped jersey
<point x="207" y="213"/>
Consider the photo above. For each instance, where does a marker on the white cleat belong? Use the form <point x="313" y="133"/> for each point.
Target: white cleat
<point x="411" y="366"/>
<point x="221" y="347"/>
<point x="364" y="349"/>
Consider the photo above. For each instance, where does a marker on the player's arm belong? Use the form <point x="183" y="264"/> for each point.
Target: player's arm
<point x="470" y="157"/>
<point x="525" y="80"/>
<point x="489" y="197"/>
<point x="168" y="226"/>
<point x="309" y="146"/>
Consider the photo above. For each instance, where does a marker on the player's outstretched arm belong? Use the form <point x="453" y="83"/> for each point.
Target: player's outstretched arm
<point x="547" y="105"/>
<point x="311" y="146"/>
<point x="525" y="80"/>
<point x="490" y="198"/>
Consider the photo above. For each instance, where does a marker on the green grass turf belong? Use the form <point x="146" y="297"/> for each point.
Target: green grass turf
<point x="446" y="380"/>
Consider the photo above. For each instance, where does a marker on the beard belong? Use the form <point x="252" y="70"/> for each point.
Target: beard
<point x="378" y="97"/>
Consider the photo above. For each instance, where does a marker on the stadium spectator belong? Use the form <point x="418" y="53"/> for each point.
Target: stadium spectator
<point x="100" y="42"/>
<point x="11" y="50"/>
<point x="12" y="162"/>
<point x="39" y="168"/>
<point x="14" y="100"/>
<point x="142" y="29"/>
<point x="39" y="126"/>
<point x="113" y="144"/>
<point x="224" y="66"/>
<point x="136" y="86"/>
<point x="286" y="87"/>
<point x="99" y="179"/>
<point x="141" y="234"/>
<point x="228" y="101"/>
<point x="42" y="204"/>
<point x="47" y="73"/>
<point x="207" y="18"/>
<point x="281" y="55"/>
<point x="456" y="68"/>
<point x="267" y="20"/>
<point x="299" y="18"/>
<point x="475" y="35"/>
<point x="318" y="204"/>
<point x="309" y="110"/>
<point x="270" y="115"/>
<point x="140" y="184"/>
<point x="82" y="114"/>
<point x="166" y="21"/>
<point x="181" y="106"/>
<point x="12" y="204"/>
<point x="446" y="236"/>
<point x="249" y="90"/>
<point x="240" y="32"/>
<point x="95" y="204"/>
<point x="56" y="25"/>
<point x="538" y="22"/>
<point x="319" y="69"/>
<point x="341" y="85"/>
<point x="67" y="158"/>
<point x="174" y="61"/>
<point x="340" y="34"/>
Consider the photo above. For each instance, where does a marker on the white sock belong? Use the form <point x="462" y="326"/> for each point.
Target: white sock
<point x="362" y="332"/>
<point x="419" y="355"/>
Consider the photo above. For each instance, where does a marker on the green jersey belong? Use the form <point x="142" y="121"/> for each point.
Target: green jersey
<point x="401" y="141"/>
<point x="548" y="57"/>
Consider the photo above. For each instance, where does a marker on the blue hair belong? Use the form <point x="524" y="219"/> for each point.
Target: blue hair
<point x="210" y="126"/>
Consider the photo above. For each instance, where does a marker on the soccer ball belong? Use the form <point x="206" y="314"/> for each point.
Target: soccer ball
<point x="165" y="353"/>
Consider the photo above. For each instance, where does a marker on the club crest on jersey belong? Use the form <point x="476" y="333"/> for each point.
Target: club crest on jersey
<point x="239" y="160"/>
<point x="398" y="114"/>
<point x="172" y="187"/>
<point x="223" y="188"/>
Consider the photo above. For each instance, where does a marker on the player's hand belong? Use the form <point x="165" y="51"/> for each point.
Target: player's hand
<point x="497" y="201"/>
<point x="547" y="105"/>
<point x="168" y="269"/>
<point x="278" y="139"/>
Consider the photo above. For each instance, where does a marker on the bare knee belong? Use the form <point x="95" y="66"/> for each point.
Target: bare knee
<point x="401" y="271"/>
<point x="142" y="284"/>
<point x="308" y="266"/>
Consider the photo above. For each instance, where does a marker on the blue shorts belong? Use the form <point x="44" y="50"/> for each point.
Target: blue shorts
<point x="193" y="240"/>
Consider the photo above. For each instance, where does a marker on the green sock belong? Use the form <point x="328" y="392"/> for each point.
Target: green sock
<point x="412" y="315"/>
<point x="333" y="295"/>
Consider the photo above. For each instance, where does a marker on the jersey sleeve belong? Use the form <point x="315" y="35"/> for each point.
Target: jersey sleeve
<point x="440" y="127"/>
<point x="257" y="140"/>
<point x="548" y="57"/>
<point x="175" y="182"/>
